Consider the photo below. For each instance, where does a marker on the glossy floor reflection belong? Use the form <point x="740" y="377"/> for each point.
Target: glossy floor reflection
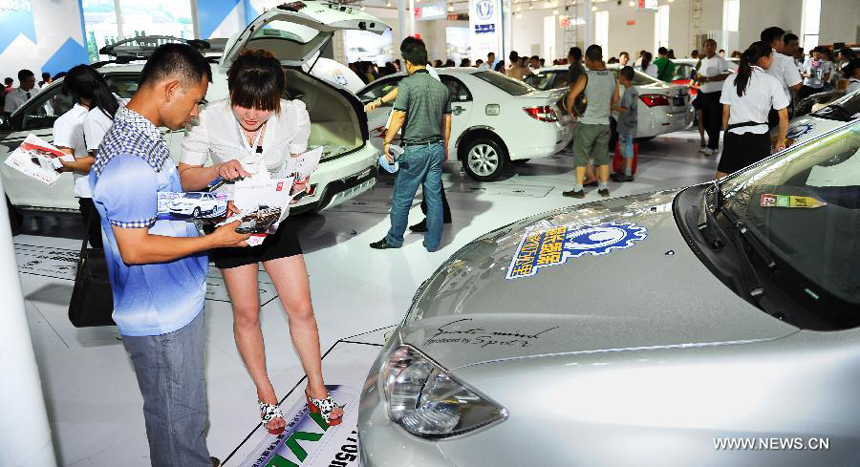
<point x="91" y="393"/>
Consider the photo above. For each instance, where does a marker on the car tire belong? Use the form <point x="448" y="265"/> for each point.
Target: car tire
<point x="484" y="159"/>
<point x="520" y="161"/>
<point x="196" y="212"/>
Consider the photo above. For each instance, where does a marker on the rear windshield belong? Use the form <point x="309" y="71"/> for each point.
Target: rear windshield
<point x="509" y="85"/>
<point x="844" y="109"/>
<point x="639" y="78"/>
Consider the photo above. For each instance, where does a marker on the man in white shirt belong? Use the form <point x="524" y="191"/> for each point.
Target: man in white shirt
<point x="488" y="65"/>
<point x="782" y="68"/>
<point x="25" y="91"/>
<point x="710" y="74"/>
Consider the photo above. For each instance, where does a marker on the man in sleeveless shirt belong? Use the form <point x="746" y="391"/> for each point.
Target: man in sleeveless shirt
<point x="592" y="133"/>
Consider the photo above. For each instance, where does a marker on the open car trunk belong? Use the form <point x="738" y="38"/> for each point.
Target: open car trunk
<point x="336" y="122"/>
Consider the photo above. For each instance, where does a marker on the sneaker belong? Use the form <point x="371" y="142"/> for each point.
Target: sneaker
<point x="621" y="177"/>
<point x="574" y="194"/>
<point x="382" y="245"/>
<point x="603" y="192"/>
<point x="704" y="149"/>
<point x="711" y="152"/>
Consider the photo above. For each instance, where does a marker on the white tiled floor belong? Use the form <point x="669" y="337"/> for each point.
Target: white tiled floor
<point x="91" y="393"/>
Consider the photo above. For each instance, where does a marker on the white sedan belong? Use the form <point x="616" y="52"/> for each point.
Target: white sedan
<point x="295" y="33"/>
<point x="828" y="118"/>
<point x="496" y="120"/>
<point x="666" y="108"/>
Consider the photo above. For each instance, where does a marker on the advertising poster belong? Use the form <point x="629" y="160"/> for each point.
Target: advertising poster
<point x="485" y="28"/>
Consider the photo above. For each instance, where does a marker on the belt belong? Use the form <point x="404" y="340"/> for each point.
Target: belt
<point x="429" y="143"/>
<point x="739" y="125"/>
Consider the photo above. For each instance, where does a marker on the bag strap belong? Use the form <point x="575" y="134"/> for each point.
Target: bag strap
<point x="86" y="240"/>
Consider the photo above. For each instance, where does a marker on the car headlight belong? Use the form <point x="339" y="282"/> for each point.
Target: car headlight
<point x="426" y="401"/>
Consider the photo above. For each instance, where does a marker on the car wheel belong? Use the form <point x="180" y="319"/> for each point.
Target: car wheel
<point x="484" y="160"/>
<point x="196" y="212"/>
<point x="520" y="161"/>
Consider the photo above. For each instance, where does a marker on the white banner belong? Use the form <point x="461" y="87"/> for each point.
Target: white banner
<point x="485" y="28"/>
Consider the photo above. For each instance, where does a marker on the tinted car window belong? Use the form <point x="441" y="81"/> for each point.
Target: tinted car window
<point x="45" y="108"/>
<point x="456" y="89"/>
<point x="509" y="85"/>
<point x="123" y="85"/>
<point x="845" y="109"/>
<point x="379" y="89"/>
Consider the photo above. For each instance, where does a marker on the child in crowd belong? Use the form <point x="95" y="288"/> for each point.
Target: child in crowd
<point x="627" y="120"/>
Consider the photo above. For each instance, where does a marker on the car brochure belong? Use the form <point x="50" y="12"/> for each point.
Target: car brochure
<point x="263" y="203"/>
<point x="303" y="166"/>
<point x="191" y="205"/>
<point x="38" y="159"/>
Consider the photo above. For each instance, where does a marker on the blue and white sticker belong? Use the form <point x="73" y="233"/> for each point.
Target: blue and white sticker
<point x="555" y="246"/>
<point x="799" y="129"/>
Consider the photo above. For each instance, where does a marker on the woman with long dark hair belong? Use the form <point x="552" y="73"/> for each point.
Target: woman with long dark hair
<point x="90" y="93"/>
<point x="747" y="98"/>
<point x="649" y="68"/>
<point x="251" y="131"/>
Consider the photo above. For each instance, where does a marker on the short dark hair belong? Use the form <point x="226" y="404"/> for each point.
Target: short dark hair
<point x="624" y="53"/>
<point x="535" y="58"/>
<point x="9" y="80"/>
<point x="491" y="53"/>
<point x="478" y="61"/>
<point x="416" y="55"/>
<point x="179" y="60"/>
<point x="575" y="52"/>
<point x="514" y="55"/>
<point x="46" y="76"/>
<point x="662" y="51"/>
<point x="24" y="74"/>
<point x="256" y="81"/>
<point x="410" y="41"/>
<point x="594" y="53"/>
<point x="790" y="37"/>
<point x="627" y="72"/>
<point x="771" y="34"/>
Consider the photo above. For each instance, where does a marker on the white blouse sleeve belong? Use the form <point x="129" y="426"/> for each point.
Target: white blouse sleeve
<point x="302" y="120"/>
<point x="195" y="145"/>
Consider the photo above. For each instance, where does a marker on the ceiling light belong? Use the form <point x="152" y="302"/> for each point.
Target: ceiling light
<point x="594" y="8"/>
<point x="632" y="3"/>
<point x="450" y="8"/>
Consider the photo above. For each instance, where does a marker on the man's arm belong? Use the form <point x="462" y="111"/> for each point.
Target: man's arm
<point x="380" y="101"/>
<point x="615" y="97"/>
<point x="398" y="117"/>
<point x="138" y="246"/>
<point x="575" y="90"/>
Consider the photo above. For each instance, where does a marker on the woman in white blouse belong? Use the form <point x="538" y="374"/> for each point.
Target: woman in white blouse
<point x="254" y="130"/>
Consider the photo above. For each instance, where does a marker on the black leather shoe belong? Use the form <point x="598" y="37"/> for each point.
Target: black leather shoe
<point x="419" y="227"/>
<point x="382" y="245"/>
<point x="603" y="192"/>
<point x="574" y="194"/>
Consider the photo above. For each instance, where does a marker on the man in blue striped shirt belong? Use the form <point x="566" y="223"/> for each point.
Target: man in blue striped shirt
<point x="157" y="267"/>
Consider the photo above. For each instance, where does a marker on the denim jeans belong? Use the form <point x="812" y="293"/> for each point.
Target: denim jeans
<point x="169" y="370"/>
<point x="419" y="165"/>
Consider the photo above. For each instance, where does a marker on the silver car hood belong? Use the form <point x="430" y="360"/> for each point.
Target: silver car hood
<point x="651" y="291"/>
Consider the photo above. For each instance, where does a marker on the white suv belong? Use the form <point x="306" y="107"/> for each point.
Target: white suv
<point x="295" y="34"/>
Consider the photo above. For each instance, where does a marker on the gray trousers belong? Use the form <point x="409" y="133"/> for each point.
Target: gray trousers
<point x="169" y="372"/>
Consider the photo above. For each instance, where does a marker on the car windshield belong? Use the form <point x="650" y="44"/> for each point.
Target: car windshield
<point x="803" y="208"/>
<point x="845" y="109"/>
<point x="543" y="80"/>
<point x="509" y="85"/>
<point x="192" y="196"/>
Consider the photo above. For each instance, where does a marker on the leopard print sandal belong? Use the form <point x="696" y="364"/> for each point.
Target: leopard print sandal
<point x="268" y="413"/>
<point x="324" y="407"/>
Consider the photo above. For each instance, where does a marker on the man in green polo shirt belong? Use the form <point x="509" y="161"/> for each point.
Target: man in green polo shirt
<point x="665" y="67"/>
<point x="423" y="109"/>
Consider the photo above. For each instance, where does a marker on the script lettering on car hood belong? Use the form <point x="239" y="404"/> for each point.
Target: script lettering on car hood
<point x="483" y="337"/>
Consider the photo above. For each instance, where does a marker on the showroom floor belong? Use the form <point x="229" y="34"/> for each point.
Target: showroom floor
<point x="358" y="293"/>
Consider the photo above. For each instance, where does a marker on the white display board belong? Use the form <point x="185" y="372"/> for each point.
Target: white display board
<point x="485" y="28"/>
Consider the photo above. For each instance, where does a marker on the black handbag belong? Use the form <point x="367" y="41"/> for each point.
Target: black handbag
<point x="92" y="298"/>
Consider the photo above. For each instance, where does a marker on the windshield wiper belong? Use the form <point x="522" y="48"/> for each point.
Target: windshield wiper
<point x="752" y="278"/>
<point x="707" y="222"/>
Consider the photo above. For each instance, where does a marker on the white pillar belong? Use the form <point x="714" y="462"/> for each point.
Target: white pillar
<point x="588" y="37"/>
<point x="25" y="436"/>
<point x="403" y="33"/>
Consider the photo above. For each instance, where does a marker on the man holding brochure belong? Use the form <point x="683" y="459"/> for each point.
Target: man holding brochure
<point x="157" y="267"/>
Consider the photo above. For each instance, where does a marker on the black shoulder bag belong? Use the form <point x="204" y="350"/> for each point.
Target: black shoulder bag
<point x="92" y="298"/>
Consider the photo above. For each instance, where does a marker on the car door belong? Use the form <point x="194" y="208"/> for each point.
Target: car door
<point x="377" y="119"/>
<point x="461" y="108"/>
<point x="37" y="116"/>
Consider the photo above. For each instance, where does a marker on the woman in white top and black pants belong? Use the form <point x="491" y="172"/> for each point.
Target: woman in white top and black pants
<point x="91" y="94"/>
<point x="747" y="97"/>
<point x="251" y="131"/>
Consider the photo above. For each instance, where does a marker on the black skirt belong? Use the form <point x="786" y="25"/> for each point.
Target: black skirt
<point x="741" y="151"/>
<point x="282" y="244"/>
